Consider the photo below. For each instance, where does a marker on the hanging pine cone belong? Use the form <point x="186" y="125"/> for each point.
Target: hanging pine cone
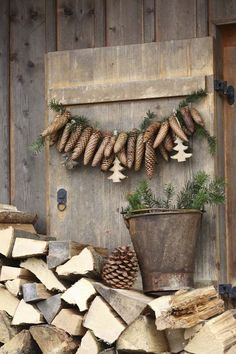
<point x="82" y="143"/>
<point x="120" y="142"/>
<point x="139" y="152"/>
<point x="53" y="139"/>
<point x="109" y="147"/>
<point x="131" y="148"/>
<point x="163" y="152"/>
<point x="177" y="129"/>
<point x="100" y="152"/>
<point x="197" y="116"/>
<point x="150" y="158"/>
<point x="161" y="134"/>
<point x="120" y="269"/>
<point x="151" y="130"/>
<point x="185" y="112"/>
<point x="64" y="138"/>
<point x="73" y="139"/>
<point x="58" y="123"/>
<point x="122" y="156"/>
<point x="168" y="142"/>
<point x="107" y="163"/>
<point x="91" y="147"/>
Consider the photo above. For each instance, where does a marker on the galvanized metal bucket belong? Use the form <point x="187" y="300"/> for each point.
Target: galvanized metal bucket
<point x="165" y="243"/>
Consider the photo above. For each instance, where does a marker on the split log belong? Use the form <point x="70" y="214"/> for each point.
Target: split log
<point x="15" y="286"/>
<point x="189" y="333"/>
<point x="103" y="321"/>
<point x="70" y="321"/>
<point x="215" y="337"/>
<point x="45" y="275"/>
<point x="17" y="217"/>
<point x="186" y="309"/>
<point x="79" y="294"/>
<point x="23" y="227"/>
<point x="127" y="303"/>
<point x="232" y="350"/>
<point x="176" y="340"/>
<point x="89" y="344"/>
<point x="10" y="273"/>
<point x="7" y="331"/>
<point x="33" y="292"/>
<point x="8" y="302"/>
<point x="27" y="313"/>
<point x="7" y="238"/>
<point x="142" y="336"/>
<point x="88" y="262"/>
<point x="109" y="351"/>
<point x="50" y="307"/>
<point x="22" y="343"/>
<point x="26" y="247"/>
<point x="53" y="340"/>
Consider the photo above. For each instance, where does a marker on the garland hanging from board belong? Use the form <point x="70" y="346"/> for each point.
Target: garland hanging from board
<point x="74" y="136"/>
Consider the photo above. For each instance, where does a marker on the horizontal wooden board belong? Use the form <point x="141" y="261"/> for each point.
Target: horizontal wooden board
<point x="132" y="90"/>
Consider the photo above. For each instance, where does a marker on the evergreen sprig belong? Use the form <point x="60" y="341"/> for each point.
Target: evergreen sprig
<point x="196" y="193"/>
<point x="37" y="146"/>
<point x="56" y="106"/>
<point x="78" y="120"/>
<point x="201" y="132"/>
<point x="147" y="120"/>
<point x="193" y="97"/>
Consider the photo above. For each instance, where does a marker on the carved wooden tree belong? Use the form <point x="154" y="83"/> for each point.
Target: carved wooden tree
<point x="117" y="176"/>
<point x="181" y="155"/>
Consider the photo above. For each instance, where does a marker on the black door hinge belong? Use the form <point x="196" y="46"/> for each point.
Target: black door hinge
<point x="225" y="90"/>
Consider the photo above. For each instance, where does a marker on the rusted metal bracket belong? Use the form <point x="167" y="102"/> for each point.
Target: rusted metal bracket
<point x="225" y="90"/>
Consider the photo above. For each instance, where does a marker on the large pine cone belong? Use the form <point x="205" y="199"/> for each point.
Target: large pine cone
<point x="150" y="158"/>
<point x="121" y="268"/>
<point x="92" y="145"/>
<point x="82" y="143"/>
<point x="59" y="122"/>
<point x="139" y="152"/>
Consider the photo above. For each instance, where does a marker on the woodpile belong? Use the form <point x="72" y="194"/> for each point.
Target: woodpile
<point x="53" y="300"/>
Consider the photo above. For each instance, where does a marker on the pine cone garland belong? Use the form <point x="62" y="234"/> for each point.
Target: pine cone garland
<point x="120" y="269"/>
<point x="53" y="139"/>
<point x="107" y="163"/>
<point x="139" y="152"/>
<point x="91" y="147"/>
<point x="100" y="152"/>
<point x="122" y="156"/>
<point x="168" y="142"/>
<point x="58" y="123"/>
<point x="120" y="142"/>
<point x="64" y="138"/>
<point x="150" y="158"/>
<point x="161" y="134"/>
<point x="151" y="130"/>
<point x="82" y="143"/>
<point x="73" y="139"/>
<point x="163" y="152"/>
<point x="177" y="129"/>
<point x="109" y="147"/>
<point x="131" y="148"/>
<point x="185" y="112"/>
<point x="197" y="116"/>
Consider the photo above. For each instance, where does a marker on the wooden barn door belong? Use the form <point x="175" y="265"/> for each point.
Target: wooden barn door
<point x="116" y="86"/>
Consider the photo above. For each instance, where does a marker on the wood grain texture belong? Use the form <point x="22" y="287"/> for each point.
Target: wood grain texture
<point x="28" y="45"/>
<point x="221" y="11"/>
<point x="4" y="104"/>
<point x="149" y="21"/>
<point x="124" y="21"/>
<point x="193" y="57"/>
<point x="80" y="24"/>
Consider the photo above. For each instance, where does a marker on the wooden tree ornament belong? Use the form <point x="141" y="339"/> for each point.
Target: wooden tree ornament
<point x="117" y="176"/>
<point x="181" y="155"/>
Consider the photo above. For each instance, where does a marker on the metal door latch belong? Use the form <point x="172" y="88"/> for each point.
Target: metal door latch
<point x="61" y="199"/>
<point x="225" y="90"/>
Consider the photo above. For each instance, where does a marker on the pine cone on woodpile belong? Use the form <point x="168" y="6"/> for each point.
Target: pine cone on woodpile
<point x="120" y="269"/>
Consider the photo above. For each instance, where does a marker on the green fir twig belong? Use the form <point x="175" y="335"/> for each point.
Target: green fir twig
<point x="201" y="132"/>
<point x="78" y="120"/>
<point x="193" y="97"/>
<point x="147" y="120"/>
<point x="37" y="146"/>
<point x="56" y="106"/>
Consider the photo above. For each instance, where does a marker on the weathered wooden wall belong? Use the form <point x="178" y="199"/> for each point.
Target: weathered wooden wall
<point x="30" y="28"/>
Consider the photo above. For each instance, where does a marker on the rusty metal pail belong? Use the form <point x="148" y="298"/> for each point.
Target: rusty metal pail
<point x="165" y="243"/>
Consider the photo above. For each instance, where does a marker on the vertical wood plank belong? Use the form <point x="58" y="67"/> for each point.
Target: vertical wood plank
<point x="149" y="21"/>
<point x="175" y="19"/>
<point x="222" y="11"/>
<point x="28" y="45"/>
<point x="80" y="24"/>
<point x="201" y="18"/>
<point x="4" y="103"/>
<point x="124" y="22"/>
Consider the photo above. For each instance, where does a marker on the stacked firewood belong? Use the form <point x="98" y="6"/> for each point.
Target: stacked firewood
<point x="52" y="300"/>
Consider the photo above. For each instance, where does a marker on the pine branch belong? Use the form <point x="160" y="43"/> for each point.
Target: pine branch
<point x="193" y="97"/>
<point x="37" y="146"/>
<point x="169" y="192"/>
<point x="56" y="106"/>
<point x="78" y="120"/>
<point x="147" y="120"/>
<point x="201" y="132"/>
